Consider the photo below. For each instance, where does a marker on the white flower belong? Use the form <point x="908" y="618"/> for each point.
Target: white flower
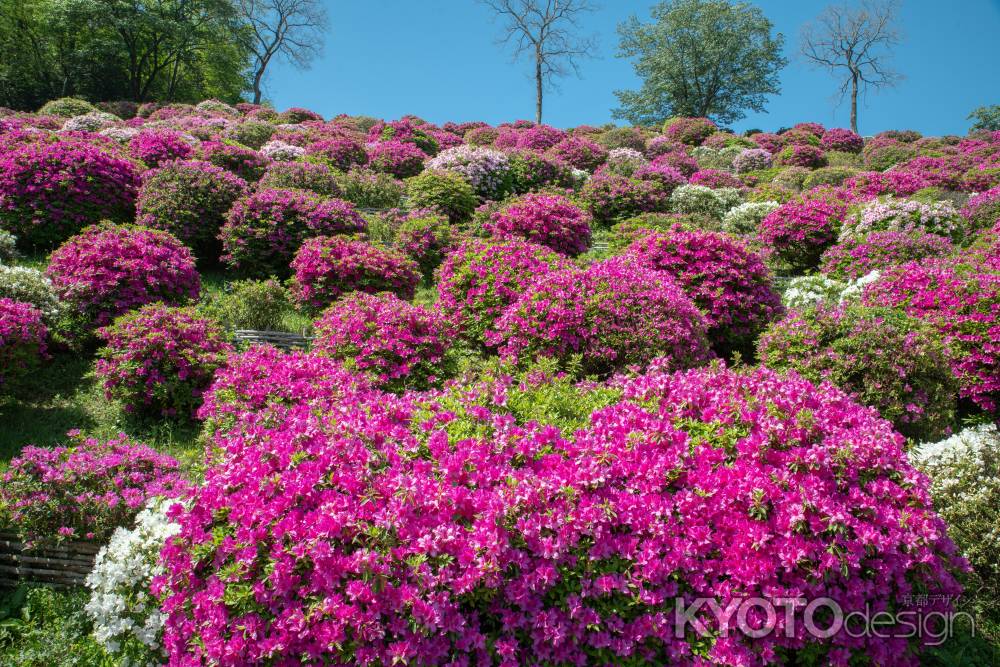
<point x="282" y="151"/>
<point x="699" y="199"/>
<point x="745" y="218"/>
<point x="90" y="122"/>
<point x="21" y="283"/>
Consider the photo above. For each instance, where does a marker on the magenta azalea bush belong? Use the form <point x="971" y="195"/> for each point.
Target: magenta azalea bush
<point x="983" y="210"/>
<point x="548" y="220"/>
<point x="843" y="140"/>
<point x="245" y="162"/>
<point x="159" y="360"/>
<point x="107" y="270"/>
<point x="156" y="147"/>
<point x="727" y="281"/>
<point x="83" y="490"/>
<point x="690" y="131"/>
<point x="797" y="232"/>
<point x="399" y="158"/>
<point x="425" y="239"/>
<point x="340" y="152"/>
<point x="615" y="314"/>
<point x="264" y="230"/>
<point x="911" y="386"/>
<point x="441" y="531"/>
<point x="190" y="200"/>
<point x="326" y="267"/>
<point x="801" y="155"/>
<point x="479" y="279"/>
<point x="609" y="197"/>
<point x="51" y="190"/>
<point x="856" y="256"/>
<point x="314" y="177"/>
<point x="580" y="152"/>
<point x="398" y="344"/>
<point x="23" y="337"/>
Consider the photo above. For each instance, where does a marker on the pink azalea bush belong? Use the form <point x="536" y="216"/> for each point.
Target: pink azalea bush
<point x="983" y="210"/>
<point x="751" y="159"/>
<point x="487" y="170"/>
<point x="962" y="301"/>
<point x="23" y="337"/>
<point x="83" y="490"/>
<point x="190" y="200"/>
<point x="548" y="220"/>
<point x="399" y="158"/>
<point x="614" y="314"/>
<point x="912" y="386"/>
<point x="340" y="152"/>
<point x="51" y="190"/>
<point x="690" y="131"/>
<point x="425" y="239"/>
<point x="801" y="155"/>
<point x="713" y="178"/>
<point x="609" y="197"/>
<point x="856" y="256"/>
<point x="156" y="147"/>
<point x="479" y="279"/>
<point x="442" y="531"/>
<point x="159" y="360"/>
<point x="107" y="270"/>
<point x="398" y="344"/>
<point x="726" y="280"/>
<point x="314" y="177"/>
<point x="843" y="140"/>
<point x="579" y="152"/>
<point x="265" y="229"/>
<point x="797" y="232"/>
<point x="245" y="162"/>
<point x="325" y="267"/>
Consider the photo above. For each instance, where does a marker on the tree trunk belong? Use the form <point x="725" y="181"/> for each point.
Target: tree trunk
<point x="256" y="85"/>
<point x="538" y="87"/>
<point x="854" y="102"/>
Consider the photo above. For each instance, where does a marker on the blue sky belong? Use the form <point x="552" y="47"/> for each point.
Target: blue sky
<point x="438" y="59"/>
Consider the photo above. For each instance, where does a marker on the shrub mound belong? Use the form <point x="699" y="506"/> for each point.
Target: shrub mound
<point x="23" y="338"/>
<point x="797" y="232"/>
<point x="856" y="256"/>
<point x="548" y="220"/>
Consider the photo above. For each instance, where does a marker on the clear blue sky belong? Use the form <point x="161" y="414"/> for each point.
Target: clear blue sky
<point x="438" y="59"/>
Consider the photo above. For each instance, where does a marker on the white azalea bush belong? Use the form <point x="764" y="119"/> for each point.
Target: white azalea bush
<point x="701" y="200"/>
<point x="805" y="291"/>
<point x="744" y="219"/>
<point x="90" y="122"/>
<point x="21" y="283"/>
<point x="8" y="247"/>
<point x="127" y="618"/>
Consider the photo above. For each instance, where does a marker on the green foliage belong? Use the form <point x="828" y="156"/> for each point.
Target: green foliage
<point x="8" y="247"/>
<point x="827" y="176"/>
<point x="700" y="58"/>
<point x="249" y="304"/>
<point x="986" y="118"/>
<point x="369" y="189"/>
<point x="443" y="191"/>
<point x="67" y="107"/>
<point x="42" y="627"/>
<point x="251" y="133"/>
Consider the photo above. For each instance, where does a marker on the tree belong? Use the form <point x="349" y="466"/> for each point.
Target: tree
<point x="545" y="29"/>
<point x="856" y="43"/>
<point x="703" y="58"/>
<point x="986" y="118"/>
<point x="289" y="29"/>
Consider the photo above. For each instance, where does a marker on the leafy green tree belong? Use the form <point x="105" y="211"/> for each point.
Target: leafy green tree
<point x="708" y="58"/>
<point x="986" y="118"/>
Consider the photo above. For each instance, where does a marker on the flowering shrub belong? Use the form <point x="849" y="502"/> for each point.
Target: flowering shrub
<point x="281" y="151"/>
<point x="840" y="139"/>
<point x="679" y="160"/>
<point x="667" y="178"/>
<point x="856" y="256"/>
<point x="608" y="197"/>
<point x="983" y="210"/>
<point x="614" y="315"/>
<point x="879" y="157"/>
<point x="84" y="490"/>
<point x="190" y="200"/>
<point x="479" y="279"/>
<point x="690" y="131"/>
<point x="399" y="158"/>
<point x="714" y="178"/>
<point x="370" y="189"/>
<point x="802" y="292"/>
<point x="245" y="162"/>
<point x="399" y="345"/>
<point x="487" y="170"/>
<point x="50" y="191"/>
<point x="252" y="134"/>
<point x="314" y="177"/>
<point x="8" y="247"/>
<point x="751" y="159"/>
<point x="531" y="171"/>
<point x="744" y="219"/>
<point x="127" y="619"/>
<point x="404" y="130"/>
<point x="912" y="387"/>
<point x="23" y="338"/>
<point x="798" y="231"/>
<point x="66" y="107"/>
<point x="108" y="270"/>
<point x="340" y="152"/>
<point x="548" y="220"/>
<point x="425" y="239"/>
<point x="962" y="301"/>
<point x="624" y="161"/>
<point x="801" y="155"/>
<point x="31" y="286"/>
<point x="868" y="185"/>
<point x="328" y="266"/>
<point x="579" y="152"/>
<point x="90" y="122"/>
<point x="717" y="159"/>
<point x="905" y="215"/>
<point x="155" y="147"/>
<point x="729" y="283"/>
<point x="264" y="230"/>
<point x="443" y="191"/>
<point x="702" y="200"/>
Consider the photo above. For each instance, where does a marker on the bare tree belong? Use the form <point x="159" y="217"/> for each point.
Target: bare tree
<point x="855" y="42"/>
<point x="289" y="29"/>
<point x="545" y="30"/>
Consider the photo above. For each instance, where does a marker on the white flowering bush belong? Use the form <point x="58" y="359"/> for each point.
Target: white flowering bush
<point x="745" y="218"/>
<point x="21" y="283"/>
<point x="282" y="151"/>
<point x="805" y="291"/>
<point x="716" y="158"/>
<point x="126" y="616"/>
<point x="90" y="122"/>
<point x="905" y="215"/>
<point x="120" y="133"/>
<point x="624" y="161"/>
<point x="215" y="106"/>
<point x="751" y="159"/>
<point x="854" y="287"/>
<point x="487" y="170"/>
<point x="965" y="483"/>
<point x="702" y="200"/>
<point x="8" y="247"/>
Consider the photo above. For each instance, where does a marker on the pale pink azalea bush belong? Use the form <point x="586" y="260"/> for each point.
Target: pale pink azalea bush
<point x="548" y="220"/>
<point x="858" y="255"/>
<point x="23" y="337"/>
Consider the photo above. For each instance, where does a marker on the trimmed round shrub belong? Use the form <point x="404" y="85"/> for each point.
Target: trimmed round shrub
<point x="443" y="191"/>
<point x="108" y="270"/>
<point x="296" y="115"/>
<point x="159" y="360"/>
<point x="751" y="159"/>
<point x="612" y="315"/>
<point x="479" y="279"/>
<point x="399" y="345"/>
<point x="690" y="131"/>
<point x="281" y="151"/>
<point x="803" y="292"/>
<point x="962" y="301"/>
<point x="90" y="122"/>
<point x="259" y="305"/>
<point x="666" y="177"/>
<point x="744" y="220"/>
<point x="487" y="170"/>
<point x="983" y="210"/>
<point x="623" y="161"/>
<point x="729" y="283"/>
<point x="579" y="152"/>
<point x="84" y="490"/>
<point x="425" y="239"/>
<point x="264" y="230"/>
<point x="245" y="162"/>
<point x="342" y="153"/>
<point x="842" y="140"/>
<point x="622" y="137"/>
<point x="719" y="159"/>
<point x="801" y="155"/>
<point x="530" y="171"/>
<point x="317" y="178"/>
<point x="369" y="189"/>
<point x="867" y="185"/>
<point x="772" y="143"/>
<point x="881" y="157"/>
<point x="156" y="147"/>
<point x="702" y="200"/>
<point x="50" y="191"/>
<point x="23" y="338"/>
<point x="399" y="158"/>
<point x="66" y="107"/>
<point x="713" y="178"/>
<point x="250" y="133"/>
<point x="328" y="266"/>
<point x="548" y="220"/>
<point x="679" y="160"/>
<point x="905" y="215"/>
<point x="190" y="200"/>
<point x="8" y="247"/>
<point x="27" y="285"/>
<point x="827" y="176"/>
<point x="797" y="232"/>
<point x="911" y="385"/>
<point x="609" y="198"/>
<point x="856" y="256"/>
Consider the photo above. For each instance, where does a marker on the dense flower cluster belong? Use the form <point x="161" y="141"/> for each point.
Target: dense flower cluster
<point x="264" y="230"/>
<point x="623" y="161"/>
<point x="744" y="219"/>
<point x="702" y="200"/>
<point x="314" y="177"/>
<point x="983" y="210"/>
<point x="31" y="286"/>
<point x="154" y="148"/>
<point x="798" y="231"/>
<point x="548" y="220"/>
<point x="399" y="158"/>
<point x="856" y="256"/>
<point x="609" y="197"/>
<point x="912" y="387"/>
<point x="84" y="490"/>
<point x="245" y="162"/>
<point x="615" y="314"/>
<point x="690" y="131"/>
<point x="400" y="345"/>
<point x="425" y="239"/>
<point x="580" y="152"/>
<point x="159" y="360"/>
<point x="843" y="140"/>
<point x="51" y="190"/>
<point x="281" y="151"/>
<point x="905" y="215"/>
<point x="23" y="338"/>
<point x="341" y="152"/>
<point x="487" y="170"/>
<point x="751" y="159"/>
<point x="326" y="267"/>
